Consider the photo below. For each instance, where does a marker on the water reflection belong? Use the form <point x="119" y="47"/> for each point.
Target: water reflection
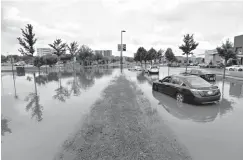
<point x="187" y="111"/>
<point x="4" y="126"/>
<point x="140" y="77"/>
<point x="75" y="86"/>
<point x="62" y="93"/>
<point x="34" y="105"/>
<point x="236" y="90"/>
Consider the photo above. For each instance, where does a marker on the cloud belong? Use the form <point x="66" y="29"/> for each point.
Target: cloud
<point x="155" y="23"/>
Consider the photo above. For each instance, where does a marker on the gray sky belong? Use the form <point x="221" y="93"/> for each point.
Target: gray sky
<point x="97" y="23"/>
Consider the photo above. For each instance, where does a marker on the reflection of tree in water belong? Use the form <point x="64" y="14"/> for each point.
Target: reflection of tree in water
<point x="98" y="73"/>
<point x="225" y="106"/>
<point x="86" y="79"/>
<point x="62" y="93"/>
<point x="41" y="79"/>
<point x="140" y="77"/>
<point x="75" y="86"/>
<point x="4" y="126"/>
<point x="34" y="106"/>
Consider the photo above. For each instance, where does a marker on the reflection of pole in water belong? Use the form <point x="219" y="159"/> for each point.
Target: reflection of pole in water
<point x="223" y="89"/>
<point x="2" y="84"/>
<point x="35" y="85"/>
<point x="13" y="77"/>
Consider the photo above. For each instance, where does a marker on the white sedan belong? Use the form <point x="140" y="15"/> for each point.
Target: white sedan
<point x="235" y="68"/>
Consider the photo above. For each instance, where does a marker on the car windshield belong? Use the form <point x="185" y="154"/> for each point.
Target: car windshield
<point x="154" y="67"/>
<point x="197" y="82"/>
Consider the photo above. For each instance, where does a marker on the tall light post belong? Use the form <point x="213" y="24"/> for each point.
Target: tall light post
<point x="121" y="47"/>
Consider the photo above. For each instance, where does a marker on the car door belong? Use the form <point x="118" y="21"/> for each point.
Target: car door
<point x="164" y="84"/>
<point x="173" y="86"/>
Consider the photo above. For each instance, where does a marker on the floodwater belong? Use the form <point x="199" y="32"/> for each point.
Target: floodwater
<point x="41" y="117"/>
<point x="36" y="126"/>
<point x="208" y="131"/>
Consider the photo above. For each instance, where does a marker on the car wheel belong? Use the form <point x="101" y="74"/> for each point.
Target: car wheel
<point x="180" y="97"/>
<point x="240" y="69"/>
<point x="230" y="69"/>
<point x="155" y="87"/>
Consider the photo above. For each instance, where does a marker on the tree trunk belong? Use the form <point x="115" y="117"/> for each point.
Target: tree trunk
<point x="39" y="70"/>
<point x="186" y="62"/>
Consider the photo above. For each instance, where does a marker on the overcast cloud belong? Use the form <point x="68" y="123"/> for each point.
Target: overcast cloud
<point x="97" y="23"/>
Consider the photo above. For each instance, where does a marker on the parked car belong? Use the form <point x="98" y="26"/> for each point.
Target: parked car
<point x="220" y="65"/>
<point x="203" y="65"/>
<point x="188" y="88"/>
<point x="138" y="68"/>
<point x="208" y="76"/>
<point x="20" y="63"/>
<point x="153" y="70"/>
<point x="147" y="68"/>
<point x="238" y="68"/>
<point x="233" y="68"/>
<point x="174" y="65"/>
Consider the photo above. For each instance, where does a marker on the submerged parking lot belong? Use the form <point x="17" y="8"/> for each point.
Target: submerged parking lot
<point x="36" y="127"/>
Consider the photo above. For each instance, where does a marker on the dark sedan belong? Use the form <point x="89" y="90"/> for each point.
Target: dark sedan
<point x="210" y="77"/>
<point x="188" y="88"/>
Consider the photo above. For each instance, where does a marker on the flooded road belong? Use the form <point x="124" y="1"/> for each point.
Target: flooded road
<point x="39" y="120"/>
<point x="208" y="131"/>
<point x="40" y="124"/>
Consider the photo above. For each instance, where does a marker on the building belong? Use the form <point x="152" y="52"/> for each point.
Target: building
<point x="212" y="56"/>
<point x="44" y="51"/>
<point x="105" y="53"/>
<point x="238" y="46"/>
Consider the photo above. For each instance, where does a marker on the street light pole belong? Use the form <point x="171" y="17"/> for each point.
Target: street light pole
<point x="121" y="49"/>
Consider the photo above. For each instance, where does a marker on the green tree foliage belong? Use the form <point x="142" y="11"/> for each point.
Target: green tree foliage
<point x="169" y="55"/>
<point x="85" y="54"/>
<point x="203" y="60"/>
<point x="28" y="41"/>
<point x="3" y="59"/>
<point x="59" y="47"/>
<point x="188" y="46"/>
<point x="159" y="55"/>
<point x="73" y="49"/>
<point x="50" y="59"/>
<point x="97" y="57"/>
<point x="226" y="51"/>
<point x="141" y="54"/>
<point x="152" y="54"/>
<point x="65" y="57"/>
<point x="38" y="62"/>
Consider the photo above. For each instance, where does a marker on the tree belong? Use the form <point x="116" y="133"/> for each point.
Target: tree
<point x="188" y="46"/>
<point x="141" y="55"/>
<point x="28" y="41"/>
<point x="85" y="54"/>
<point x="73" y="49"/>
<point x="38" y="62"/>
<point x="203" y="60"/>
<point x="3" y="59"/>
<point x="106" y="59"/>
<point x="152" y="53"/>
<point x="159" y="55"/>
<point x="226" y="51"/>
<point x="97" y="57"/>
<point x="50" y="59"/>
<point x="170" y="57"/>
<point x="59" y="47"/>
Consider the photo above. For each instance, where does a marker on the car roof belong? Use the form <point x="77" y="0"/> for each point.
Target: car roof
<point x="184" y="76"/>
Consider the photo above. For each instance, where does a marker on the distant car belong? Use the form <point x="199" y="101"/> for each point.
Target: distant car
<point x="153" y="70"/>
<point x="20" y="63"/>
<point x="147" y="68"/>
<point x="203" y="65"/>
<point x="138" y="68"/>
<point x="188" y="88"/>
<point x="232" y="68"/>
<point x="208" y="76"/>
<point x="239" y="68"/>
<point x="174" y="65"/>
